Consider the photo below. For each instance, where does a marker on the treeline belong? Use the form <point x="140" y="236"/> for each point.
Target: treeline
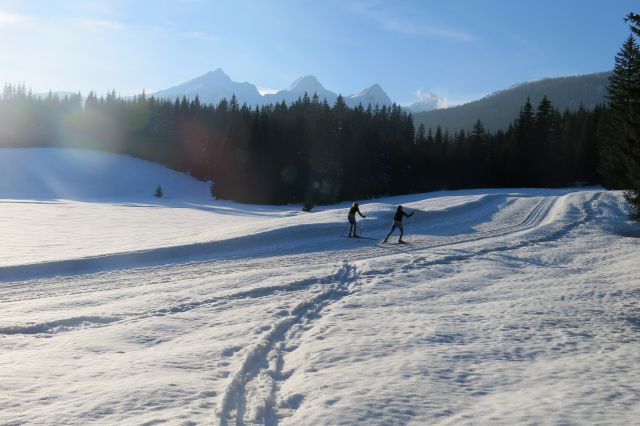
<point x="311" y="151"/>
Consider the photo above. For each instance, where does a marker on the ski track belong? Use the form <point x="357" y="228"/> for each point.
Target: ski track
<point x="246" y="246"/>
<point x="263" y="364"/>
<point x="251" y="395"/>
<point x="70" y="324"/>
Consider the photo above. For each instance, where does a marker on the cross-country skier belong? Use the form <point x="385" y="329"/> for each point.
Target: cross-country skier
<point x="355" y="208"/>
<point x="397" y="223"/>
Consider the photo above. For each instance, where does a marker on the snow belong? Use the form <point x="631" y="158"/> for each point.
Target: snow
<point x="372" y="95"/>
<point x="508" y="306"/>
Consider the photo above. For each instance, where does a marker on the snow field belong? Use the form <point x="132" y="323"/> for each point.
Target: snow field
<point x="537" y="335"/>
<point x="506" y="307"/>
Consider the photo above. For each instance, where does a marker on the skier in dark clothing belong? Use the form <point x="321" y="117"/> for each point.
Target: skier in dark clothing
<point x="397" y="223"/>
<point x="355" y="208"/>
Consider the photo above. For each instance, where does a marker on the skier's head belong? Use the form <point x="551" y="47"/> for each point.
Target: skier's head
<point x="355" y="204"/>
<point x="400" y="207"/>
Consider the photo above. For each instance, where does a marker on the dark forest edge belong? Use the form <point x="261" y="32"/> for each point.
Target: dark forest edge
<point x="311" y="151"/>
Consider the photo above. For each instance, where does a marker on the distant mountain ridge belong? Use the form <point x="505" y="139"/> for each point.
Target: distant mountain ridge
<point x="216" y="85"/>
<point x="499" y="109"/>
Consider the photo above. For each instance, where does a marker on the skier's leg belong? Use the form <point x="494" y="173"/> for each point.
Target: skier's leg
<point x="393" y="228"/>
<point x="401" y="233"/>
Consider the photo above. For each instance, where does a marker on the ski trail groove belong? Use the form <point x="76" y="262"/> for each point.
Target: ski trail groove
<point x="262" y="367"/>
<point x="586" y="215"/>
<point x="531" y="220"/>
<point x="72" y="324"/>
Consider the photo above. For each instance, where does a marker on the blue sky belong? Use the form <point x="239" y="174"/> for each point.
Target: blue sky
<point x="460" y="50"/>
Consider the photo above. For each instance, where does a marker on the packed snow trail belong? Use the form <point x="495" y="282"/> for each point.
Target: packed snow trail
<point x="444" y="227"/>
<point x="506" y="308"/>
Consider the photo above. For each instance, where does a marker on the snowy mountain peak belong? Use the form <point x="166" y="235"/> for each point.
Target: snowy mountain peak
<point x="374" y="89"/>
<point x="308" y="83"/>
<point x="217" y="75"/>
<point x="212" y="87"/>
<point x="373" y="95"/>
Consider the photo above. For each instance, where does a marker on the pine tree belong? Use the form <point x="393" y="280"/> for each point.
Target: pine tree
<point x="634" y="19"/>
<point x="421" y="135"/>
<point x="478" y="130"/>
<point x="524" y="129"/>
<point x="545" y="155"/>
<point x="620" y="149"/>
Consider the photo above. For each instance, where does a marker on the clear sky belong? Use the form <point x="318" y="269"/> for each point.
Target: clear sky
<point x="459" y="49"/>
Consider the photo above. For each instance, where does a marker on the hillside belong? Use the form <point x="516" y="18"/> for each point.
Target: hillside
<point x="498" y="110"/>
<point x="85" y="175"/>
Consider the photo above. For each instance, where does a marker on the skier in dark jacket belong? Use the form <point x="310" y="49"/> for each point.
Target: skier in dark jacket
<point x="397" y="223"/>
<point x="355" y="208"/>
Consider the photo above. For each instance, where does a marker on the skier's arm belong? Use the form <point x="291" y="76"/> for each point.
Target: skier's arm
<point x="408" y="215"/>
<point x="360" y="213"/>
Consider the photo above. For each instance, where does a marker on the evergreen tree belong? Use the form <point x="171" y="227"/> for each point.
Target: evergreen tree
<point x="524" y="141"/>
<point x="634" y="19"/>
<point x="620" y="148"/>
<point x="421" y="135"/>
<point x="545" y="157"/>
<point x="478" y="130"/>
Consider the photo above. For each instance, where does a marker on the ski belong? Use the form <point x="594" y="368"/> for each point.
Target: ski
<point x="359" y="238"/>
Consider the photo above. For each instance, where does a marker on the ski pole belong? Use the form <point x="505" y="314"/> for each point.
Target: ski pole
<point x="345" y="230"/>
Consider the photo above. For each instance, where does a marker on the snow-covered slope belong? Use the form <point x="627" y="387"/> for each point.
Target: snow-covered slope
<point x="506" y="307"/>
<point x="113" y="204"/>
<point x="372" y="95"/>
<point x="84" y="175"/>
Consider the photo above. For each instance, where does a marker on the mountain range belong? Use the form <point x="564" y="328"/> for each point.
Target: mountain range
<point x="496" y="111"/>
<point x="213" y="86"/>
